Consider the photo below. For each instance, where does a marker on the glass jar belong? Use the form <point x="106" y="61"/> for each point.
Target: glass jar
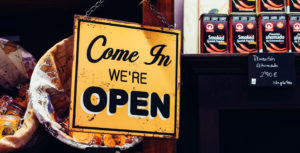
<point x="8" y="125"/>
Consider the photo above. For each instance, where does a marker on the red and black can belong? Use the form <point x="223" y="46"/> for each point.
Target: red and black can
<point x="294" y="33"/>
<point x="214" y="33"/>
<point x="242" y="6"/>
<point x="293" y="6"/>
<point x="266" y="6"/>
<point x="243" y="33"/>
<point x="273" y="33"/>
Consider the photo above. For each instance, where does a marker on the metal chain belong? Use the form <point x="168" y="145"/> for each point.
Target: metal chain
<point x="152" y="8"/>
<point x="158" y="14"/>
<point x="93" y="8"/>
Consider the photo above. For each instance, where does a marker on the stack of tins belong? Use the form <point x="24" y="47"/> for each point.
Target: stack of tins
<point x="50" y="91"/>
<point x="253" y="26"/>
<point x="16" y="66"/>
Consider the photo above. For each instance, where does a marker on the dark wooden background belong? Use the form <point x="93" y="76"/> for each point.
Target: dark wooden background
<point x="219" y="113"/>
<point x="42" y="23"/>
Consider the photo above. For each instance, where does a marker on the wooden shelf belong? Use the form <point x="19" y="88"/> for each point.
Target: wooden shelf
<point x="221" y="63"/>
<point x="214" y="83"/>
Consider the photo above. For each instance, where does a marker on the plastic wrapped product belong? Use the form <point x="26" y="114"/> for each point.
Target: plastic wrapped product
<point x="16" y="66"/>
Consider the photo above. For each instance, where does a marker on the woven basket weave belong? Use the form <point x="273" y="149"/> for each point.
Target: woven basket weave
<point x="19" y="66"/>
<point x="50" y="91"/>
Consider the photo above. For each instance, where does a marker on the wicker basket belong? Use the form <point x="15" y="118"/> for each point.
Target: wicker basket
<point x="50" y="92"/>
<point x="18" y="65"/>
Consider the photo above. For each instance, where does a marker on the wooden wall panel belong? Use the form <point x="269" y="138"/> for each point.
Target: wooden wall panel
<point x="166" y="8"/>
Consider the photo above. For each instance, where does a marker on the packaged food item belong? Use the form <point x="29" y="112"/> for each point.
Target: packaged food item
<point x="120" y="139"/>
<point x="96" y="138"/>
<point x="109" y="141"/>
<point x="101" y="139"/>
<point x="294" y="32"/>
<point x="8" y="125"/>
<point x="15" y="109"/>
<point x="293" y="6"/>
<point x="243" y="33"/>
<point x="267" y="6"/>
<point x="87" y="138"/>
<point x="129" y="139"/>
<point x="15" y="106"/>
<point x="19" y="104"/>
<point x="209" y="6"/>
<point x="113" y="140"/>
<point x="5" y="101"/>
<point x="16" y="65"/>
<point x="242" y="6"/>
<point x="214" y="32"/>
<point x="193" y="9"/>
<point x="18" y="107"/>
<point x="273" y="33"/>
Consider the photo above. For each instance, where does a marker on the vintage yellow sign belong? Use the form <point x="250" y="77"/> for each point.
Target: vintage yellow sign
<point x="126" y="78"/>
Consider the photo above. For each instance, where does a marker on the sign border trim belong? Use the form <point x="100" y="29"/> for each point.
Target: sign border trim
<point x="76" y="70"/>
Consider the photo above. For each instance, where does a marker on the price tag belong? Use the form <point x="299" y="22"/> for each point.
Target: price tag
<point x="271" y="69"/>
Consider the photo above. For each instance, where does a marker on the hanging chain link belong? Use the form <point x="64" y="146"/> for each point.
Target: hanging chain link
<point x="93" y="8"/>
<point x="158" y="14"/>
<point x="152" y="8"/>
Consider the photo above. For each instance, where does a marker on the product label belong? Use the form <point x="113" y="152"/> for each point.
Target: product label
<point x="296" y="27"/>
<point x="239" y="27"/>
<point x="214" y="31"/>
<point x="272" y="5"/>
<point x="8" y="131"/>
<point x="269" y="26"/>
<point x="244" y="34"/>
<point x="274" y="33"/>
<point x="294" y="5"/>
<point x="295" y="33"/>
<point x="243" y="6"/>
<point x="210" y="27"/>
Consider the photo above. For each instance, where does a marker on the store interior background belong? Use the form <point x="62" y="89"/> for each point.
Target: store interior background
<point x="243" y="128"/>
<point x="41" y="24"/>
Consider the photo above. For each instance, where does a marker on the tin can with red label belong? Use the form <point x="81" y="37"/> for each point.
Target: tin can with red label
<point x="273" y="33"/>
<point x="294" y="33"/>
<point x="242" y="6"/>
<point x="293" y="6"/>
<point x="243" y="33"/>
<point x="214" y="33"/>
<point x="267" y="6"/>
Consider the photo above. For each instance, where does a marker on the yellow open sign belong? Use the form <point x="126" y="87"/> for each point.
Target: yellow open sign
<point x="126" y="78"/>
